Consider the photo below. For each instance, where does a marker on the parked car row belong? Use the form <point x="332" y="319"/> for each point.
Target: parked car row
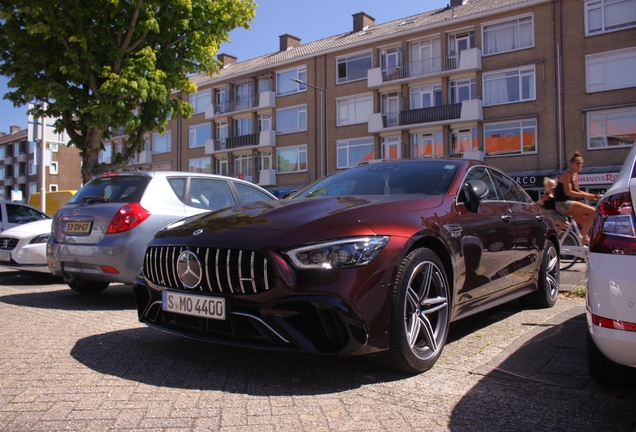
<point x="376" y="260"/>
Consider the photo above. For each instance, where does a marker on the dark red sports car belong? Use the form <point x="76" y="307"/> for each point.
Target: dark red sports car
<point x="378" y="259"/>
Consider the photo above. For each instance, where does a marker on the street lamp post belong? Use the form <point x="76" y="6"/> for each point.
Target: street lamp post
<point x="323" y="126"/>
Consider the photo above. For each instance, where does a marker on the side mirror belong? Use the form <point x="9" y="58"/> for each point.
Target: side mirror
<point x="476" y="191"/>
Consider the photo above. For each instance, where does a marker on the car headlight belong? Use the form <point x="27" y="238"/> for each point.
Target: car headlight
<point x="345" y="253"/>
<point x="42" y="238"/>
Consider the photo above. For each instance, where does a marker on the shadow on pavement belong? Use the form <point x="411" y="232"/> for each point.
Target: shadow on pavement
<point x="23" y="278"/>
<point x="541" y="383"/>
<point x="160" y="359"/>
<point x="115" y="297"/>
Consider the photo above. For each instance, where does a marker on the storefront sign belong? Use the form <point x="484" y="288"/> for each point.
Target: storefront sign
<point x="602" y="178"/>
<point x="526" y="181"/>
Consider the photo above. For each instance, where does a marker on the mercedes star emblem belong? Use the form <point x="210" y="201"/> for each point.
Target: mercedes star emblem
<point x="189" y="269"/>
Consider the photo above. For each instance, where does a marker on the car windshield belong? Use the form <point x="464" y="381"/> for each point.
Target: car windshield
<point x="430" y="177"/>
<point x="118" y="189"/>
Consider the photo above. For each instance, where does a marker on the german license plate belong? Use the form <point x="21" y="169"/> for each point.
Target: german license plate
<point x="194" y="305"/>
<point x="5" y="256"/>
<point x="78" y="227"/>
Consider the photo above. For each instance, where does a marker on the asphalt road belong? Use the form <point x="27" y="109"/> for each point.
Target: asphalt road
<point x="73" y="362"/>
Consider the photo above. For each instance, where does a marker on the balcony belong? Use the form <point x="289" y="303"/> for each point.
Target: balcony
<point x="8" y="161"/>
<point x="266" y="177"/>
<point x="8" y="181"/>
<point x="266" y="99"/>
<point x="144" y="157"/>
<point x="22" y="157"/>
<point x="466" y="111"/>
<point x="243" y="142"/>
<point x="22" y="179"/>
<point x="469" y="61"/>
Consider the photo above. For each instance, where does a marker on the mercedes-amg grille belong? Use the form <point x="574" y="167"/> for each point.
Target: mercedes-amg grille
<point x="221" y="270"/>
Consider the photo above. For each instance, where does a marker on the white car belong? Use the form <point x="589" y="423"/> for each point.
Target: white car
<point x="17" y="213"/>
<point x="23" y="247"/>
<point x="611" y="281"/>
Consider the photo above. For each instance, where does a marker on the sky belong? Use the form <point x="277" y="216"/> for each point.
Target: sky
<point x="309" y="20"/>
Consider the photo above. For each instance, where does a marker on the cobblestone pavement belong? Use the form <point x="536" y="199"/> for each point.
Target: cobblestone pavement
<point x="73" y="362"/>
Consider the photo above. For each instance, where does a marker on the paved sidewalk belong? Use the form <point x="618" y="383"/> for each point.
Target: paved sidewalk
<point x="84" y="363"/>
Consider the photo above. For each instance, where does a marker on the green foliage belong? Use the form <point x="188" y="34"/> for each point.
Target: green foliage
<point x="107" y="64"/>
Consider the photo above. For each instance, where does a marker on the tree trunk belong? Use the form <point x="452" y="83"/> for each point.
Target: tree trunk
<point x="92" y="144"/>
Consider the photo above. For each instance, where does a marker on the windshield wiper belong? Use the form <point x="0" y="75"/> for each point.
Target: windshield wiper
<point x="94" y="199"/>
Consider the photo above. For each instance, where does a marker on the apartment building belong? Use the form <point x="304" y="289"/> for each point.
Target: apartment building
<point x="521" y="84"/>
<point x="19" y="172"/>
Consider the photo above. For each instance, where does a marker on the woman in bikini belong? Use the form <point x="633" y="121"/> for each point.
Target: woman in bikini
<point x="567" y="193"/>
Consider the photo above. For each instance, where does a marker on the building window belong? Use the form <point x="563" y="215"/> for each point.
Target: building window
<point x="243" y="95"/>
<point x="353" y="110"/>
<point x="53" y="188"/>
<point x="291" y="120"/>
<point x="427" y="145"/>
<point x="391" y="61"/>
<point x="2" y="153"/>
<point x="351" y="152"/>
<point x="200" y="134"/>
<point x="354" y="67"/>
<point x="603" y="16"/>
<point x="510" y="138"/>
<point x="243" y="166"/>
<point x="425" y="57"/>
<point x="222" y="133"/>
<point x="243" y="126"/>
<point x="611" y="129"/>
<point x="105" y="156"/>
<point x="462" y="90"/>
<point x="291" y="159"/>
<point x="222" y="166"/>
<point x="33" y="169"/>
<point x="200" y="100"/>
<point x="609" y="71"/>
<point x="392" y="147"/>
<point x="2" y="173"/>
<point x="509" y="35"/>
<point x="457" y="43"/>
<point x="54" y="147"/>
<point x="33" y="188"/>
<point x="264" y="122"/>
<point x="515" y="85"/>
<point x="464" y="140"/>
<point x="285" y="85"/>
<point x="53" y="169"/>
<point x="201" y="165"/>
<point x="162" y="144"/>
<point x="426" y="96"/>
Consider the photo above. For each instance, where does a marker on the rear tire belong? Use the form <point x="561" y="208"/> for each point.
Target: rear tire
<point x="549" y="278"/>
<point x="568" y="261"/>
<point x="88" y="287"/>
<point x="420" y="313"/>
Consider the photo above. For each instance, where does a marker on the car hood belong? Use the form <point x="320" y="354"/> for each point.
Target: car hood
<point x="302" y="214"/>
<point x="29" y="229"/>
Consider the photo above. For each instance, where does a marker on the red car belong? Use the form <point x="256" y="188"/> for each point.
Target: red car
<point x="378" y="260"/>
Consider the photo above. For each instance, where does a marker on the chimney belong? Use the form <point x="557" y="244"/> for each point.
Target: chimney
<point x="14" y="129"/>
<point x="2" y="134"/>
<point x="362" y="20"/>
<point x="226" y="59"/>
<point x="288" y="41"/>
<point x="454" y="3"/>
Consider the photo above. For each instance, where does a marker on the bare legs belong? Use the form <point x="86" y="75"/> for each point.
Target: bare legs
<point x="583" y="214"/>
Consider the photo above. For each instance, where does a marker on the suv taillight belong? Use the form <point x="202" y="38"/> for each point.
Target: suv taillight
<point x="613" y="228"/>
<point x="127" y="217"/>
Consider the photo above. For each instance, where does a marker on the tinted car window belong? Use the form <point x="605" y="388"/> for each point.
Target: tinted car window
<point x="119" y="189"/>
<point x="481" y="173"/>
<point x="210" y="194"/>
<point x="249" y="194"/>
<point x="178" y="187"/>
<point x="425" y="178"/>
<point x="21" y="214"/>
<point x="509" y="189"/>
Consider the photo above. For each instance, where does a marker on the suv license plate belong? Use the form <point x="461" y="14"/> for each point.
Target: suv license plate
<point x="78" y="227"/>
<point x="194" y="305"/>
<point x="5" y="256"/>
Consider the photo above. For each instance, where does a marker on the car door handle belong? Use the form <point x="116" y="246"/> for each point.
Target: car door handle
<point x="455" y="230"/>
<point x="540" y="218"/>
<point x="506" y="218"/>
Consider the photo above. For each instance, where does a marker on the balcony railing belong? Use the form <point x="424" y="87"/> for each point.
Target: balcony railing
<point x="429" y="66"/>
<point x="236" y="104"/>
<point x="432" y="114"/>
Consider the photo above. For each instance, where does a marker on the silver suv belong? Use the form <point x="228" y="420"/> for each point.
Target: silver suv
<point x="101" y="234"/>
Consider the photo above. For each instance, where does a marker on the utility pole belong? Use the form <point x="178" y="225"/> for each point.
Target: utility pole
<point x="42" y="164"/>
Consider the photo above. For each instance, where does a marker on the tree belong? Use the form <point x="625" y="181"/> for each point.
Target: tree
<point x="101" y="65"/>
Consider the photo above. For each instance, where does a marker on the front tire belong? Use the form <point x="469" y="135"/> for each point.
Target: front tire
<point x="549" y="278"/>
<point x="420" y="313"/>
<point x="88" y="287"/>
